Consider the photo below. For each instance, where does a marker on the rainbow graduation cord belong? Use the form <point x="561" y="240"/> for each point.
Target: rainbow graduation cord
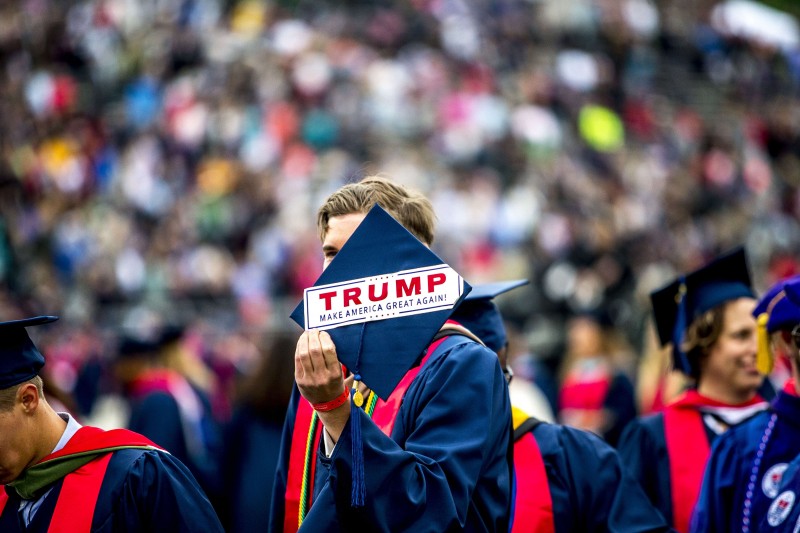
<point x="369" y="408"/>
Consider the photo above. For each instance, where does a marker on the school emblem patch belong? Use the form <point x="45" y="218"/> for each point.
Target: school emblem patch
<point x="771" y="482"/>
<point x="780" y="508"/>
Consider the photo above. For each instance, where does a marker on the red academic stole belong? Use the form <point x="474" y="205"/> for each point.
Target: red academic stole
<point x="384" y="416"/>
<point x="533" y="505"/>
<point x="76" y="502"/>
<point x="688" y="449"/>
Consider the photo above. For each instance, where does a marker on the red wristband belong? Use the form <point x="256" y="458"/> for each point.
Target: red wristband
<point x="333" y="404"/>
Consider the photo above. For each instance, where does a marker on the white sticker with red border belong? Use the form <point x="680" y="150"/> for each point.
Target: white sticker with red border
<point x="404" y="293"/>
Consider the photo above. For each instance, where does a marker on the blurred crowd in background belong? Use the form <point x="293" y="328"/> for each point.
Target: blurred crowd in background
<point x="162" y="162"/>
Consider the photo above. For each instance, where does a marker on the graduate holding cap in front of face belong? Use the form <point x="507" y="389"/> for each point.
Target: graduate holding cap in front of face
<point x="400" y="419"/>
<point x="565" y="479"/>
<point x="56" y="475"/>
<point x="707" y="317"/>
<point x="742" y="484"/>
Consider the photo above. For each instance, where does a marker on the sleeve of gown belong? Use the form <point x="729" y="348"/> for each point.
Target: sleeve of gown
<point x="638" y="450"/>
<point x="277" y="506"/>
<point x="160" y="494"/>
<point x="713" y="511"/>
<point x="612" y="500"/>
<point x="621" y="403"/>
<point x="456" y="429"/>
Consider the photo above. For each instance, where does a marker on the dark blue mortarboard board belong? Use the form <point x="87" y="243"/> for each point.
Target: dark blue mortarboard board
<point x="382" y="299"/>
<point x="676" y="305"/>
<point x="20" y="359"/>
<point x="479" y="314"/>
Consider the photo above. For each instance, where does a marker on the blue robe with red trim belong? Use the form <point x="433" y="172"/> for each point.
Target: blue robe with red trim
<point x="446" y="466"/>
<point x="142" y="491"/>
<point x="589" y="488"/>
<point x="722" y="497"/>
<point x="644" y="452"/>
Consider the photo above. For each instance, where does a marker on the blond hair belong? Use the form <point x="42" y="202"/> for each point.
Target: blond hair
<point x="8" y="396"/>
<point x="407" y="206"/>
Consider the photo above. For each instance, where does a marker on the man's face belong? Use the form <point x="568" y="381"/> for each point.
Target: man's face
<point x="731" y="361"/>
<point x="339" y="230"/>
<point x="16" y="446"/>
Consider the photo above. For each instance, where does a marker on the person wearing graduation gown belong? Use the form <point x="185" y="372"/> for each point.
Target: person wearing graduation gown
<point x="744" y="472"/>
<point x="436" y="452"/>
<point x="565" y="479"/>
<point x="56" y="475"/>
<point x="167" y="407"/>
<point x="707" y="316"/>
<point x="596" y="394"/>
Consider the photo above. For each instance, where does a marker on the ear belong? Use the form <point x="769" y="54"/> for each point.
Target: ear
<point x="28" y="397"/>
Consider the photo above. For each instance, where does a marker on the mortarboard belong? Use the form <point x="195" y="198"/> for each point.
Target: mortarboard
<point x="479" y="314"/>
<point x="20" y="359"/>
<point x="382" y="299"/>
<point x="677" y="304"/>
<point x="148" y="343"/>
<point x="774" y="312"/>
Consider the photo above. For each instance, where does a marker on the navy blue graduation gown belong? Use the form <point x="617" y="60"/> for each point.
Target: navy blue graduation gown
<point x="142" y="491"/>
<point x="730" y="466"/>
<point x="643" y="448"/>
<point x="252" y="445"/>
<point x="589" y="488"/>
<point x="446" y="466"/>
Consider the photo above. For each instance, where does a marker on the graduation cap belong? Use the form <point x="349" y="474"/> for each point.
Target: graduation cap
<point x="677" y="304"/>
<point x="382" y="299"/>
<point x="148" y="342"/>
<point x="479" y="314"/>
<point x="20" y="359"/>
<point x="774" y="312"/>
<point x="135" y="346"/>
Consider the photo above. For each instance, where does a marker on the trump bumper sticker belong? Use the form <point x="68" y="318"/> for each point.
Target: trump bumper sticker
<point x="404" y="293"/>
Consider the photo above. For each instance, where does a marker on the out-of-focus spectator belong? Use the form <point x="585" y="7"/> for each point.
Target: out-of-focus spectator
<point x="168" y="404"/>
<point x="657" y="382"/>
<point x="252" y="438"/>
<point x="595" y="395"/>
